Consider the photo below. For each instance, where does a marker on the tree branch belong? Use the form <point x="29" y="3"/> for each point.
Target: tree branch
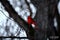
<point x="29" y="8"/>
<point x="13" y="14"/>
<point x="17" y="18"/>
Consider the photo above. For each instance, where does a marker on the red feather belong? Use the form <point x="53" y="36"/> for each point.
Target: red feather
<point x="30" y="20"/>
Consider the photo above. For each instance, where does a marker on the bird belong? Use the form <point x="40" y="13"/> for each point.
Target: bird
<point x="32" y="22"/>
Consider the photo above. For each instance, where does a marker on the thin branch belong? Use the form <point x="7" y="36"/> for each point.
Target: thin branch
<point x="29" y="8"/>
<point x="14" y="37"/>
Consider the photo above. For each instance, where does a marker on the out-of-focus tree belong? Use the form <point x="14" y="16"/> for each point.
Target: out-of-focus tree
<point x="45" y="12"/>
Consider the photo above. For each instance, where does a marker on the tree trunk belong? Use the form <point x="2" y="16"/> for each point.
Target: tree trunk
<point x="46" y="11"/>
<point x="41" y="18"/>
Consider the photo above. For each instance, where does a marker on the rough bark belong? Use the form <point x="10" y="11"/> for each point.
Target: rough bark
<point x="46" y="11"/>
<point x="52" y="13"/>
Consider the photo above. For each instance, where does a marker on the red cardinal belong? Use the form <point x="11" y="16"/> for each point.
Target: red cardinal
<point x="30" y="21"/>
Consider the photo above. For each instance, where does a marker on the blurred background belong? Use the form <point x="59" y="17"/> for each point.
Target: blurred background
<point x="45" y="13"/>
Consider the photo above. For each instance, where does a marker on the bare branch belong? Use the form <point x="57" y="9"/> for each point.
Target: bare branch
<point x="17" y="18"/>
<point x="29" y="8"/>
